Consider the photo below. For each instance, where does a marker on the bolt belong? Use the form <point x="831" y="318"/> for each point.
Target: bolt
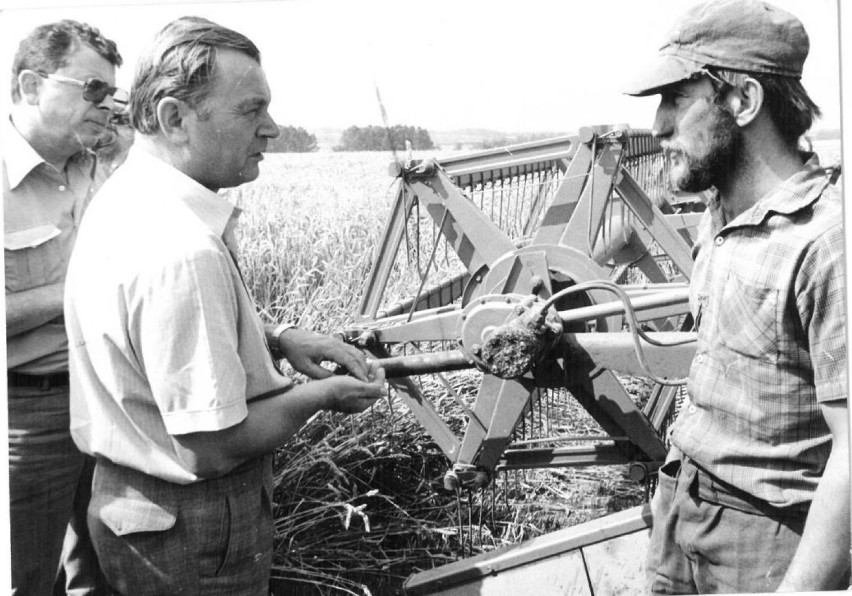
<point x="476" y="350"/>
<point x="519" y="310"/>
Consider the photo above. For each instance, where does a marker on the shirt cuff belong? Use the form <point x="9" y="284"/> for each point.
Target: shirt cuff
<point x="185" y="422"/>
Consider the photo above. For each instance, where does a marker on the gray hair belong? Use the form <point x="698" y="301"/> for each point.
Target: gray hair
<point x="181" y="63"/>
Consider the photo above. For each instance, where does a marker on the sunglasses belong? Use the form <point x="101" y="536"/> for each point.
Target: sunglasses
<point x="94" y="90"/>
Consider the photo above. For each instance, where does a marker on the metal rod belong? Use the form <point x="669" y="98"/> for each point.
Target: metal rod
<point x="659" y="299"/>
<point x="565" y="439"/>
<point x="423" y="364"/>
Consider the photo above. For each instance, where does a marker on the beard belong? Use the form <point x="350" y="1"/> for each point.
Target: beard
<point x="701" y="168"/>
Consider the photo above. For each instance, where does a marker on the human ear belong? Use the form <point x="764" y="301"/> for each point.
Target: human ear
<point x="747" y="101"/>
<point x="29" y="83"/>
<point x="171" y="116"/>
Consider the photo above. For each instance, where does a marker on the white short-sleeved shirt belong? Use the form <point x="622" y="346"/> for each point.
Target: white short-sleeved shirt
<point x="164" y="339"/>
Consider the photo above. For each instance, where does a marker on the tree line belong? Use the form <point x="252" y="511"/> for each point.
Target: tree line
<point x="295" y="139"/>
<point x="379" y="138"/>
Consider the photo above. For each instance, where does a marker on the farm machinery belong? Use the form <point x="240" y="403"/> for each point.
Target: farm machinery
<point x="521" y="281"/>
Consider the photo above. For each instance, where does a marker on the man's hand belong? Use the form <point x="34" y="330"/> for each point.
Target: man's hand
<point x="305" y="350"/>
<point x="350" y="396"/>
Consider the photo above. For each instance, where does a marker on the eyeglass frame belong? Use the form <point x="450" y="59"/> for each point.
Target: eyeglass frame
<point x="110" y="89"/>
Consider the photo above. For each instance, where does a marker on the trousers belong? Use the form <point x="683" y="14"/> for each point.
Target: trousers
<point x="44" y="473"/>
<point x="707" y="538"/>
<point x="157" y="538"/>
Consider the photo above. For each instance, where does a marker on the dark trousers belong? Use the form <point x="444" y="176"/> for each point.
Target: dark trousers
<point x="44" y="472"/>
<point x="707" y="538"/>
<point x="212" y="537"/>
<point x="79" y="572"/>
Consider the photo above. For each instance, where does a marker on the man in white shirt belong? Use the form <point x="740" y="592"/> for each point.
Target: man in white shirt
<point x="173" y="387"/>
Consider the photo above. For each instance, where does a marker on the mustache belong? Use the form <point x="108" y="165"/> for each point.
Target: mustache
<point x="671" y="148"/>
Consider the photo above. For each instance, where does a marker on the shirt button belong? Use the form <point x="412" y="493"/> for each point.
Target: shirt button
<point x="699" y="358"/>
<point x="719" y="240"/>
<point x="62" y="188"/>
<point x="691" y="409"/>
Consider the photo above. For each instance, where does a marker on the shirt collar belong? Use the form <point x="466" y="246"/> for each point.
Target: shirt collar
<point x="214" y="211"/>
<point x="20" y="158"/>
<point x="18" y="155"/>
<point x="796" y="192"/>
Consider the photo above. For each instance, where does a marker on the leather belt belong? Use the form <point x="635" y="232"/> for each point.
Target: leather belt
<point x="43" y="382"/>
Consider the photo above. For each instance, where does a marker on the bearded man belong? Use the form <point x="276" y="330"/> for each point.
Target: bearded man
<point x="754" y="496"/>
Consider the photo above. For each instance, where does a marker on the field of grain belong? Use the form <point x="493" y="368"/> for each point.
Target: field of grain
<point x="359" y="501"/>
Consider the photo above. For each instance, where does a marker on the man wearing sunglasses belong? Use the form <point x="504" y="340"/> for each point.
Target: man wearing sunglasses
<point x="63" y="96"/>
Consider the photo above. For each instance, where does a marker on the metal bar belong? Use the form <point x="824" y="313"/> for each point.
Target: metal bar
<point x="474" y="237"/>
<point x="562" y="457"/>
<point x="512" y="401"/>
<point x="662" y="405"/>
<point x="500" y="403"/>
<point x="679" y="296"/>
<point x="423" y="364"/>
<point x="602" y="395"/>
<point x="438" y="325"/>
<point x="568" y="195"/>
<point x="616" y="351"/>
<point x="424" y="411"/>
<point x="566" y="439"/>
<point x="667" y="237"/>
<point x="585" y="220"/>
<point x="512" y="155"/>
<point x="442" y="294"/>
<point x="467" y="576"/>
<point x="385" y="255"/>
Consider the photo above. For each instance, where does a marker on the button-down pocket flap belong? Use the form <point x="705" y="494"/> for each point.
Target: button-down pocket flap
<point x="125" y="515"/>
<point x="31" y="237"/>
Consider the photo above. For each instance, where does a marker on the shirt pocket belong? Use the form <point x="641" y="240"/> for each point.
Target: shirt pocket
<point x="33" y="257"/>
<point x="747" y="320"/>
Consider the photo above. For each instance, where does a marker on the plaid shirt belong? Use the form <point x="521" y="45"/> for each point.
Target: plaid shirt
<point x="768" y="294"/>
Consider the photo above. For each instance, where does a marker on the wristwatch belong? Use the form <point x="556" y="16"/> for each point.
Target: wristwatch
<point x="275" y="344"/>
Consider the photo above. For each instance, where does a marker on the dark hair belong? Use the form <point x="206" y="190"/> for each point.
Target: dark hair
<point x="47" y="48"/>
<point x="792" y="110"/>
<point x="181" y="63"/>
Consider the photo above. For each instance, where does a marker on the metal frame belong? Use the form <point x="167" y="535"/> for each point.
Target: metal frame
<point x="589" y="220"/>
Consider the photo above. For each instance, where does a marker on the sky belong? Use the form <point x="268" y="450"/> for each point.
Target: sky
<point x="522" y="66"/>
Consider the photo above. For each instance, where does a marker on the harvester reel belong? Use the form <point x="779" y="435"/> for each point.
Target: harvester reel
<point x="532" y="239"/>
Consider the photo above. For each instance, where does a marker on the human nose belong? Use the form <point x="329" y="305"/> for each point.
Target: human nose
<point x="662" y="128"/>
<point x="114" y="102"/>
<point x="268" y="128"/>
